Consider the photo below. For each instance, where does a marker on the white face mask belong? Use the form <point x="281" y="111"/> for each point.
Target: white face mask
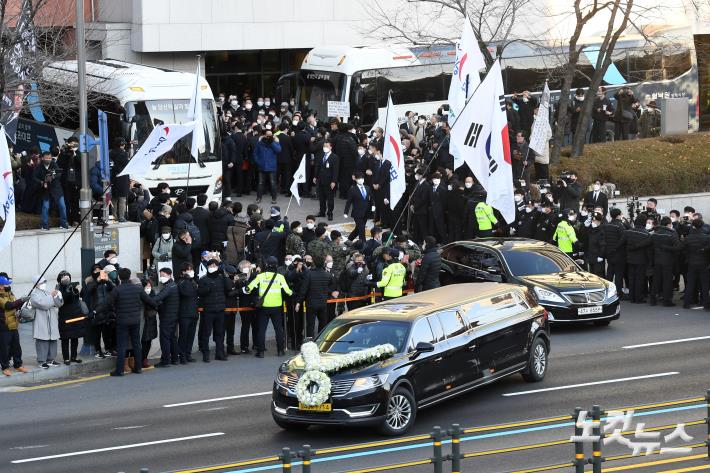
<point x="468" y="185"/>
<point x="422" y="122"/>
<point x="572" y="218"/>
<point x="360" y="181"/>
<point x="436" y="182"/>
<point x="267" y="103"/>
<point x="42" y="286"/>
<point x="190" y="274"/>
<point x="295" y="122"/>
<point x="248" y="106"/>
<point x="649" y="227"/>
<point x="528" y="209"/>
<point x="518" y="198"/>
<point x="326" y="150"/>
<point x="260" y="104"/>
<point x="329" y="265"/>
<point x="310" y="226"/>
<point x="597" y="187"/>
<point x="164" y="279"/>
<point x="360" y="152"/>
<point x="418" y="177"/>
<point x="146" y="290"/>
<point x="211" y="269"/>
<point x="245" y="271"/>
<point x="298" y="230"/>
<point x="583" y="213"/>
<point x="165" y="236"/>
<point x="595" y="224"/>
<point x="113" y="260"/>
<point x="674" y="219"/>
<point x="288" y="262"/>
<point x="268" y="127"/>
<point x="234" y="103"/>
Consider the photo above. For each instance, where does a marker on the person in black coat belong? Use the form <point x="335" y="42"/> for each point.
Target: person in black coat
<point x="241" y="154"/>
<point x="302" y="148"/>
<point x="437" y="208"/>
<point x="229" y="157"/>
<point x="567" y="192"/>
<point x="220" y="218"/>
<point x="596" y="198"/>
<point x="666" y="246"/>
<point x="119" y="184"/>
<point x="284" y="159"/>
<point x="602" y="111"/>
<point x="46" y="177"/>
<point x="316" y="287"/>
<point x="127" y="301"/>
<point x="182" y="251"/>
<point x="380" y="185"/>
<point x="361" y="200"/>
<point x="326" y="179"/>
<point x="200" y="217"/>
<point x="594" y="253"/>
<point x="69" y="162"/>
<point x="70" y="332"/>
<point x="168" y="300"/>
<point x="614" y="250"/>
<point x="697" y="250"/>
<point x="419" y="206"/>
<point x="187" y="314"/>
<point x="638" y="257"/>
<point x="150" y="323"/>
<point x="345" y="146"/>
<point x="428" y="273"/>
<point x="213" y="290"/>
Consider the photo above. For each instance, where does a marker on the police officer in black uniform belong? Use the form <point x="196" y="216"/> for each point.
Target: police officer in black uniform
<point x="697" y="249"/>
<point x="638" y="256"/>
<point x="614" y="250"/>
<point x="666" y="246"/>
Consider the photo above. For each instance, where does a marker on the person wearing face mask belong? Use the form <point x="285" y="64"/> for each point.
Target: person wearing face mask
<point x="308" y="234"/>
<point x="527" y="220"/>
<point x="567" y="191"/>
<point x="110" y="258"/>
<point x="317" y="284"/>
<point x="419" y="206"/>
<point x="546" y="224"/>
<point x="639" y="253"/>
<point x="294" y="240"/>
<point x="70" y="332"/>
<point x="163" y="249"/>
<point x="247" y="272"/>
<point x="393" y="275"/>
<point x="362" y="164"/>
<point x="270" y="285"/>
<point x="597" y="198"/>
<point x="187" y="312"/>
<point x="265" y="157"/>
<point x="213" y="290"/>
<point x="327" y="169"/>
<point x="362" y="202"/>
<point x="576" y="107"/>
<point x="97" y="295"/>
<point x="428" y="273"/>
<point x="613" y="245"/>
<point x="168" y="300"/>
<point x="666" y="246"/>
<point x="593" y="254"/>
<point x="46" y="177"/>
<point x="354" y="281"/>
<point x="602" y="111"/>
<point x="565" y="235"/>
<point x="696" y="247"/>
<point x="380" y="184"/>
<point x="437" y="208"/>
<point x="45" y="327"/>
<point x="70" y="162"/>
<point x="10" y="349"/>
<point x="526" y="107"/>
<point x="345" y="147"/>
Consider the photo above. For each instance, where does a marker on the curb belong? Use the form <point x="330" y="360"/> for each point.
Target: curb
<point x="59" y="373"/>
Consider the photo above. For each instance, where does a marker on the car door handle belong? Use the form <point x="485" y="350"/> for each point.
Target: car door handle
<point x="472" y="347"/>
<point x="438" y="359"/>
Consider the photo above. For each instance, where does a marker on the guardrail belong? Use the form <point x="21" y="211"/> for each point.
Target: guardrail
<point x="306" y="456"/>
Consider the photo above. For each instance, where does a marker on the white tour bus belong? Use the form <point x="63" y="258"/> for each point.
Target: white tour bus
<point x="135" y="98"/>
<point x="419" y="78"/>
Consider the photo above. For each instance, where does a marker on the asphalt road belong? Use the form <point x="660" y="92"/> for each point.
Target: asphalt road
<point x="123" y="424"/>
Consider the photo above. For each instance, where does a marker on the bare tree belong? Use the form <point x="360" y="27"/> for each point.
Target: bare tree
<point x="422" y="22"/>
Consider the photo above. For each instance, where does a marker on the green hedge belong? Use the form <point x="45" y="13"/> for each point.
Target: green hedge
<point x="653" y="166"/>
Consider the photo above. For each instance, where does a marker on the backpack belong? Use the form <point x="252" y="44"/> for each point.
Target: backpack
<point x="194" y="234"/>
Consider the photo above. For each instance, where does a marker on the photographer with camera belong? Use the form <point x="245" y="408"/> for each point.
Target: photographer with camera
<point x="650" y="211"/>
<point x="567" y="191"/>
<point x="46" y="177"/>
<point x="70" y="329"/>
<point x="69" y="162"/>
<point x="602" y="111"/>
<point x="120" y="185"/>
<point x="265" y="157"/>
<point x="625" y="113"/>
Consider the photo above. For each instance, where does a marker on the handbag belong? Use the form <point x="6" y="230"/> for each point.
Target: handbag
<point x="84" y="308"/>
<point x="260" y="300"/>
<point x="27" y="313"/>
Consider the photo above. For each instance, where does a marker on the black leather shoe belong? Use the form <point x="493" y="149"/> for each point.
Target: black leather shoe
<point x="330" y="217"/>
<point x="245" y="351"/>
<point x="191" y="360"/>
<point x="137" y="371"/>
<point x="281" y="353"/>
<point x="162" y="365"/>
<point x="183" y="361"/>
<point x="206" y="358"/>
<point x="221" y="358"/>
<point x="260" y="354"/>
<point x="233" y="352"/>
<point x="113" y="373"/>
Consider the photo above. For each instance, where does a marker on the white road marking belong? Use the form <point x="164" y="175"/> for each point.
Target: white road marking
<point x="667" y="342"/>
<point x="130" y="427"/>
<point x="210" y="409"/>
<point x="594" y="383"/>
<point x="28" y="447"/>
<point x="217" y="399"/>
<point x="118" y="447"/>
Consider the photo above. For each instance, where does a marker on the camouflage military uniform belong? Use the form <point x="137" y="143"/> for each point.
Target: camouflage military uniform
<point x="319" y="249"/>
<point x="295" y="245"/>
<point x="340" y="255"/>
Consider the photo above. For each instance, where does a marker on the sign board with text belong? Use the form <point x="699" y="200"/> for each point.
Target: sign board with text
<point x="338" y="109"/>
<point x="106" y="240"/>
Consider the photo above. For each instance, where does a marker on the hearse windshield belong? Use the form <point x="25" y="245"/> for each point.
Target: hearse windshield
<point x="345" y="336"/>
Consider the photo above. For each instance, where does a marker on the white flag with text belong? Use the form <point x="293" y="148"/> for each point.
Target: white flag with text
<point x="160" y="141"/>
<point x="194" y="113"/>
<point x="395" y="154"/>
<point x="299" y="177"/>
<point x="7" y="194"/>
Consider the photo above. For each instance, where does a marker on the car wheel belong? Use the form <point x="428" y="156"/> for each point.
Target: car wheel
<point x="602" y="323"/>
<point x="537" y="363"/>
<point x="290" y="426"/>
<point x="401" y="413"/>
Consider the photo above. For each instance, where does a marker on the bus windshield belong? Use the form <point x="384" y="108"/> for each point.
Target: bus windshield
<point x="146" y="115"/>
<point x="316" y="88"/>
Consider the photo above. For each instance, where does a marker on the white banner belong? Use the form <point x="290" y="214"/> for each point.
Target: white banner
<point x="394" y="153"/>
<point x="7" y="194"/>
<point x="194" y="113"/>
<point x="160" y="141"/>
<point x="299" y="177"/>
<point x="541" y="131"/>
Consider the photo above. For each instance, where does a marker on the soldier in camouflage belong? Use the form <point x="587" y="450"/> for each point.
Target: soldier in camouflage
<point x="319" y="247"/>
<point x="294" y="241"/>
<point x="339" y="251"/>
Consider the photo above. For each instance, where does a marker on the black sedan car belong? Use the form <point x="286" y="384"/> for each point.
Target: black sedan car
<point x="569" y="294"/>
<point x="448" y="341"/>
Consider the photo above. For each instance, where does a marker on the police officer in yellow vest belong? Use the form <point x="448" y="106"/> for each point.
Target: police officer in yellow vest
<point x="393" y="276"/>
<point x="270" y="285"/>
<point x="485" y="219"/>
<point x="565" y="236"/>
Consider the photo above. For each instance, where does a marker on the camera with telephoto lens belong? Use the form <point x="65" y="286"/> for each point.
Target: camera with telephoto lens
<point x="50" y="176"/>
<point x="633" y="207"/>
<point x="268" y="139"/>
<point x="564" y="177"/>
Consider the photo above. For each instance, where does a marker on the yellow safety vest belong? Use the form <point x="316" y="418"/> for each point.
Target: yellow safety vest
<point x="273" y="298"/>
<point x="565" y="236"/>
<point x="485" y="217"/>
<point x="393" y="279"/>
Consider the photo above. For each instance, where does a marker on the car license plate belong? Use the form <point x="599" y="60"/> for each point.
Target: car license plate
<point x="590" y="310"/>
<point x="326" y="407"/>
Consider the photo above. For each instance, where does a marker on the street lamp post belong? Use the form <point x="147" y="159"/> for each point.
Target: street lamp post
<point x="87" y="242"/>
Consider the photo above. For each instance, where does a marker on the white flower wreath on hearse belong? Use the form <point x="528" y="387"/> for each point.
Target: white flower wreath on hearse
<point x="317" y="369"/>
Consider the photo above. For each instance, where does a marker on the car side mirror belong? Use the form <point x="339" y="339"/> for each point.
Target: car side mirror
<point x="422" y="347"/>
<point x="580" y="262"/>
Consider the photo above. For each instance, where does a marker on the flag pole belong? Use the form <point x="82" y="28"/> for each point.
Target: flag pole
<point x="426" y="169"/>
<point x="289" y="206"/>
<point x="194" y="113"/>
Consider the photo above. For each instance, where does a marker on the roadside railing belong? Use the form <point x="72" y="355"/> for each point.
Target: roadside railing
<point x="588" y="428"/>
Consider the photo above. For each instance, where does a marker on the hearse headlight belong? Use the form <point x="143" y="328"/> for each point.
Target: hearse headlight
<point x="374" y="381"/>
<point x="282" y="379"/>
<point x="545" y="295"/>
<point x="610" y="291"/>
